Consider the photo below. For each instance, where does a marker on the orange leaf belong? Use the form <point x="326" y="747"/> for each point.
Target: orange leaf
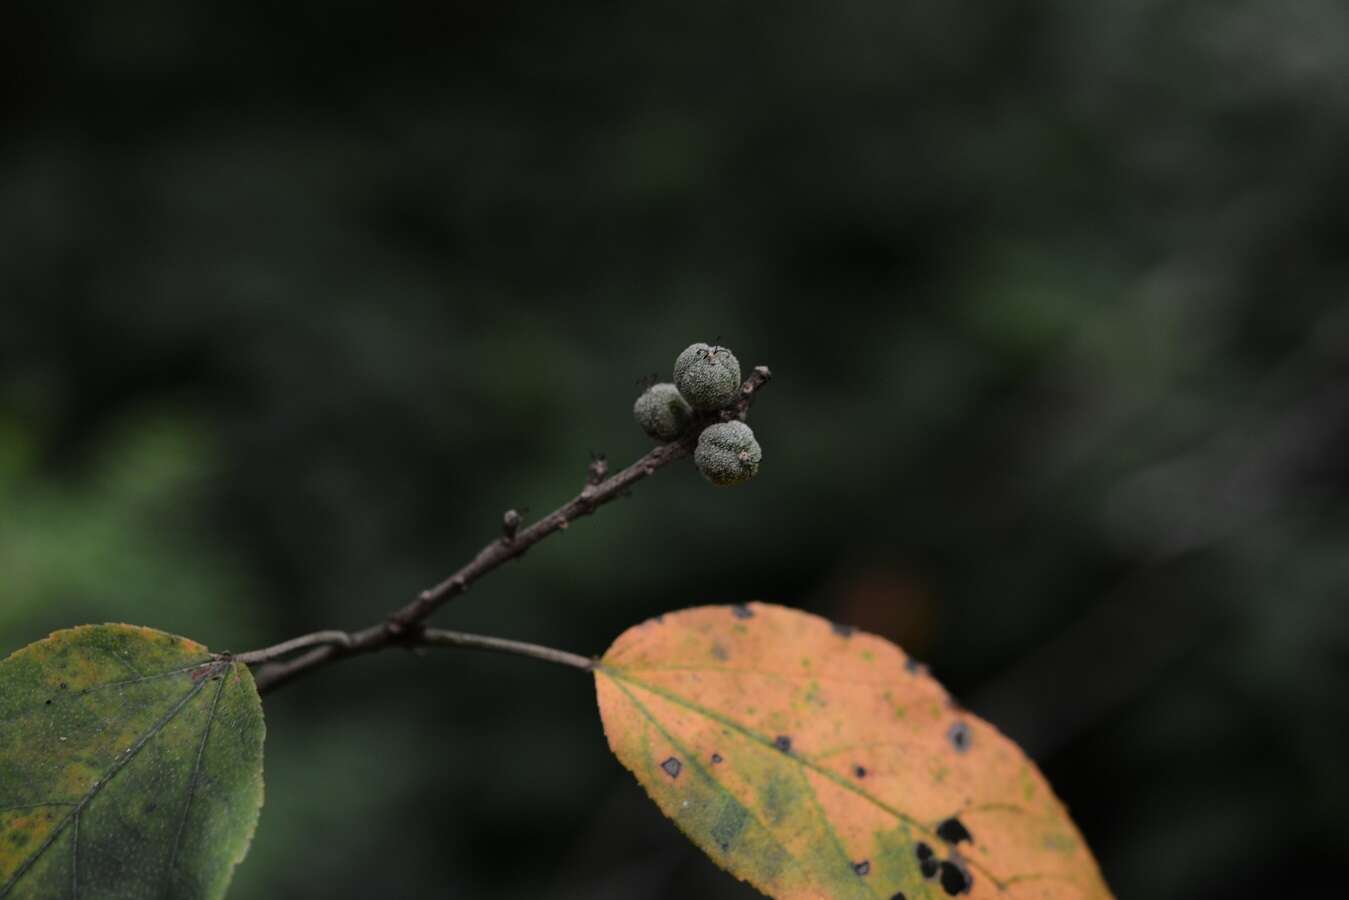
<point x="813" y="761"/>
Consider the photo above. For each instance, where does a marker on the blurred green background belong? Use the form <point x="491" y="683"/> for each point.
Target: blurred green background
<point x="296" y="299"/>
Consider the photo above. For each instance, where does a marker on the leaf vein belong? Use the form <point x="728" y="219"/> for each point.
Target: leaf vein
<point x="75" y="860"/>
<point x="780" y="676"/>
<point x="20" y="806"/>
<point x="702" y="770"/>
<point x="123" y="662"/>
<point x="98" y="785"/>
<point x="111" y="684"/>
<point x="834" y="839"/>
<point x="804" y="761"/>
<point x="196" y="772"/>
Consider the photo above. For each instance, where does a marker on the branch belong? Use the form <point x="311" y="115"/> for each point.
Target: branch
<point x="404" y="627"/>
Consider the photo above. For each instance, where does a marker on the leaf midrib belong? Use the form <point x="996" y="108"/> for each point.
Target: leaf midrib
<point x="620" y="675"/>
<point x="693" y="760"/>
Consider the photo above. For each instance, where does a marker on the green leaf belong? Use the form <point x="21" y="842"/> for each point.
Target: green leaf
<point x="130" y="766"/>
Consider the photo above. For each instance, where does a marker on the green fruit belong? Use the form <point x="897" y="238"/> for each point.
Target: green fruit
<point x="708" y="377"/>
<point x="728" y="453"/>
<point x="662" y="412"/>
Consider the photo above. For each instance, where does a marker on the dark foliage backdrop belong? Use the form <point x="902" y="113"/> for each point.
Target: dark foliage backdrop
<point x="296" y="298"/>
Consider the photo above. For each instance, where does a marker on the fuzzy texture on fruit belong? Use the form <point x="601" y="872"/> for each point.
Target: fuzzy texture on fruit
<point x="662" y="412"/>
<point x="708" y="377"/>
<point x="728" y="453"/>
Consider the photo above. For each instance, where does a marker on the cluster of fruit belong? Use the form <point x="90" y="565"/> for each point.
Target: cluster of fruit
<point x="706" y="380"/>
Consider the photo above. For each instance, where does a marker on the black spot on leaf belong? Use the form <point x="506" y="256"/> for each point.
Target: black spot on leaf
<point x="716" y="758"/>
<point x="899" y="895"/>
<point x="862" y="868"/>
<point x="859" y="771"/>
<point x="954" y="879"/>
<point x="953" y="831"/>
<point x="927" y="863"/>
<point x="959" y="735"/>
<point x="672" y="767"/>
<point x="741" y="611"/>
<point x="783" y="743"/>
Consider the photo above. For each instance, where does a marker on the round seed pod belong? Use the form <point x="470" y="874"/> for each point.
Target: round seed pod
<point x="727" y="453"/>
<point x="708" y="377"/>
<point x="662" y="412"/>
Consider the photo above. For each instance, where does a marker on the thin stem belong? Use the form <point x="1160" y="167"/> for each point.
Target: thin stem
<point x="285" y="648"/>
<point x="429" y="637"/>
<point x="439" y="637"/>
<point x="404" y="627"/>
